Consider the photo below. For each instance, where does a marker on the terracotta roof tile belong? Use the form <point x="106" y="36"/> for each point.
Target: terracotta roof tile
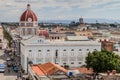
<point x="47" y="69"/>
<point x="37" y="70"/>
<point x="43" y="32"/>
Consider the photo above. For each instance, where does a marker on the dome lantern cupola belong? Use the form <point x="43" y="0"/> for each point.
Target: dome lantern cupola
<point x="28" y="6"/>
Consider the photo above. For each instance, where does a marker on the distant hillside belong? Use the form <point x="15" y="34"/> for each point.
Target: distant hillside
<point x="85" y="20"/>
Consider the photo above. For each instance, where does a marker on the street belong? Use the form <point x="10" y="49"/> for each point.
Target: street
<point x="6" y="75"/>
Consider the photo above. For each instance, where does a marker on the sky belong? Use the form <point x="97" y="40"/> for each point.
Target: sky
<point x="11" y="10"/>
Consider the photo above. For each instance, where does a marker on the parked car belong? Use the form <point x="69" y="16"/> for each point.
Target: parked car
<point x="2" y="68"/>
<point x="15" y="68"/>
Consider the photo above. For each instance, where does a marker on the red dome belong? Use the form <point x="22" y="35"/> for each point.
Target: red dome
<point x="28" y="14"/>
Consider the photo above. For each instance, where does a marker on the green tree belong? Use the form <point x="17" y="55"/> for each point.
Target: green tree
<point x="101" y="61"/>
<point x="8" y="37"/>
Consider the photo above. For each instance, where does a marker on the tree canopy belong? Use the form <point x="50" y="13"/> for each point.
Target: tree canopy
<point x="8" y="37"/>
<point x="101" y="61"/>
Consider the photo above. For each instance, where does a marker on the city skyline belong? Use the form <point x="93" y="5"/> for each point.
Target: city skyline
<point x="60" y="9"/>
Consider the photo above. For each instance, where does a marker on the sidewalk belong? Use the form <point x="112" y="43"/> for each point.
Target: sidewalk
<point x="10" y="78"/>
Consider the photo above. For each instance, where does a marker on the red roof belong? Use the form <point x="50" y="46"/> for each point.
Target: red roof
<point x="37" y="70"/>
<point x="28" y="14"/>
<point x="44" y="33"/>
<point x="47" y="69"/>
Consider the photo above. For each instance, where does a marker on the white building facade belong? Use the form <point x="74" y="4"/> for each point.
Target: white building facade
<point x="71" y="53"/>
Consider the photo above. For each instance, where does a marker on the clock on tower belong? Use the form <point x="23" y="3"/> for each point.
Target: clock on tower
<point x="29" y="20"/>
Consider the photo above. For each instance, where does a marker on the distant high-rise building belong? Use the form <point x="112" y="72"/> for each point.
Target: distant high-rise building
<point x="81" y="21"/>
<point x="82" y="26"/>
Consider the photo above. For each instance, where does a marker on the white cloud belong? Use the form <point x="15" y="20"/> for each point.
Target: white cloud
<point x="10" y="7"/>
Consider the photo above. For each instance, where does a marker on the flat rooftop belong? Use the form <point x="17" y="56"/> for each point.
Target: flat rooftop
<point x="41" y="41"/>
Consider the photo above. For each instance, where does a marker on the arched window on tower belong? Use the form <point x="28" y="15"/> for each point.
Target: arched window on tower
<point x="29" y="31"/>
<point x="23" y="31"/>
<point x="35" y="31"/>
<point x="29" y="24"/>
<point x="22" y="24"/>
<point x="0" y="40"/>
